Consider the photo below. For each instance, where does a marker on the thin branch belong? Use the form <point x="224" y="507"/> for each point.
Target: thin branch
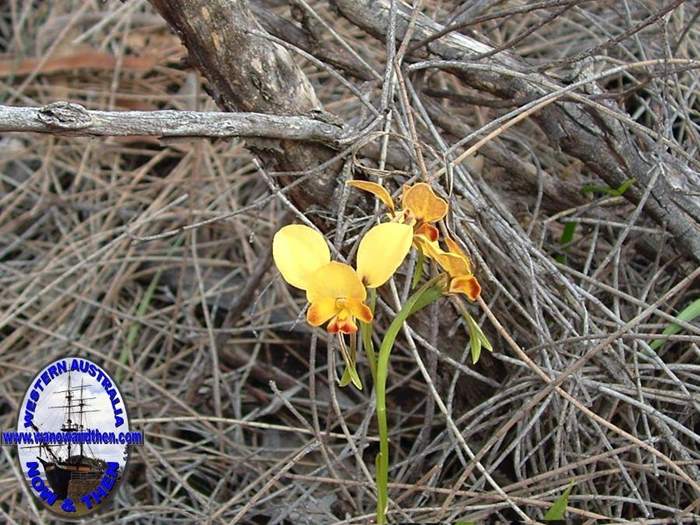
<point x="65" y="118"/>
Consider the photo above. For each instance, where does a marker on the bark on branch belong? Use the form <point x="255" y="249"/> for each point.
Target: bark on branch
<point x="248" y="72"/>
<point x="66" y="118"/>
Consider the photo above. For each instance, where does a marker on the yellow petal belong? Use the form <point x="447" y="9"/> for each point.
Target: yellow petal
<point x="375" y="189"/>
<point x="455" y="249"/>
<point x="422" y="202"/>
<point x="321" y="311"/>
<point x="381" y="252"/>
<point x="429" y="248"/>
<point x="335" y="280"/>
<point x="468" y="285"/>
<point x="298" y="252"/>
<point x="453" y="264"/>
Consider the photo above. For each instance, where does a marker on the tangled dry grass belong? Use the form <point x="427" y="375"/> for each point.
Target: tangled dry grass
<point x="152" y="258"/>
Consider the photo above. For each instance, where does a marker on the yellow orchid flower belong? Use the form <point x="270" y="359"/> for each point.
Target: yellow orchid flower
<point x="420" y="208"/>
<point x="335" y="290"/>
<point x="419" y="202"/>
<point x="457" y="265"/>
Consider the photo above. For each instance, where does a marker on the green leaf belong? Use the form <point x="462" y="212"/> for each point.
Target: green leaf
<point x="418" y="271"/>
<point x="558" y="509"/>
<point x="350" y="373"/>
<point x="475" y="345"/>
<point x="428" y="297"/>
<point x="688" y="314"/>
<point x="477" y="338"/>
<point x="622" y="188"/>
<point x="350" y="376"/>
<point x="567" y="235"/>
<point x="607" y="190"/>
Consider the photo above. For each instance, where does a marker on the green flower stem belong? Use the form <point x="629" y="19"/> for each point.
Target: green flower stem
<point x="425" y="295"/>
<point x="418" y="271"/>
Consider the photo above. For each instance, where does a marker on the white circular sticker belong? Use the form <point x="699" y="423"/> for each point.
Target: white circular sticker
<point x="73" y="437"/>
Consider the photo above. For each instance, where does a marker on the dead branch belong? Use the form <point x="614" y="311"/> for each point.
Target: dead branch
<point x="328" y="52"/>
<point x="66" y="118"/>
<point x="247" y="72"/>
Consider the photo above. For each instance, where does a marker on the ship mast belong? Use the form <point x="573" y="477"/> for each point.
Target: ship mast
<point x="81" y="413"/>
<point x="69" y="407"/>
<point x="74" y="420"/>
<point x="70" y="425"/>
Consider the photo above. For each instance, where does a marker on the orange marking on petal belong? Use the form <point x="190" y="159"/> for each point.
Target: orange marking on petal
<point x="360" y="310"/>
<point x="321" y="311"/>
<point x="468" y="285"/>
<point x="347" y="326"/>
<point x="333" y="327"/>
<point x="429" y="231"/>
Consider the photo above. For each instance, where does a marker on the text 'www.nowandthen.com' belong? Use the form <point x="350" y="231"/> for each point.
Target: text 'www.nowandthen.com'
<point x="82" y="437"/>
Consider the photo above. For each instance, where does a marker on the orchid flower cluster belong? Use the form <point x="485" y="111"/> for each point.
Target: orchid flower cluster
<point x="336" y="291"/>
<point x="422" y="209"/>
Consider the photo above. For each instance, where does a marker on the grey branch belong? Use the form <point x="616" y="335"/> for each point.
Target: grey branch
<point x="66" y="118"/>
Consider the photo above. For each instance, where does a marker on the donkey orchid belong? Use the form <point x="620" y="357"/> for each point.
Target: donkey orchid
<point x="458" y="266"/>
<point x="335" y="290"/>
<point x="421" y="208"/>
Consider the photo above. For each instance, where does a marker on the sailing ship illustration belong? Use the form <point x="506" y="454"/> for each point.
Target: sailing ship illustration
<point x="71" y="473"/>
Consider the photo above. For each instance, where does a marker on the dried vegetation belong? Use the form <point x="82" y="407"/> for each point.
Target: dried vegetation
<point x="152" y="258"/>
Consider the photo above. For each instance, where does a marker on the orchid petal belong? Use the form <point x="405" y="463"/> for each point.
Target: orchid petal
<point x="344" y="326"/>
<point x="321" y="311"/>
<point x="468" y="285"/>
<point x="360" y="310"/>
<point x="453" y="264"/>
<point x="429" y="248"/>
<point x="298" y="252"/>
<point x="381" y="252"/>
<point x="428" y="231"/>
<point x="454" y="247"/>
<point x="422" y="202"/>
<point x="375" y="189"/>
<point x="337" y="281"/>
